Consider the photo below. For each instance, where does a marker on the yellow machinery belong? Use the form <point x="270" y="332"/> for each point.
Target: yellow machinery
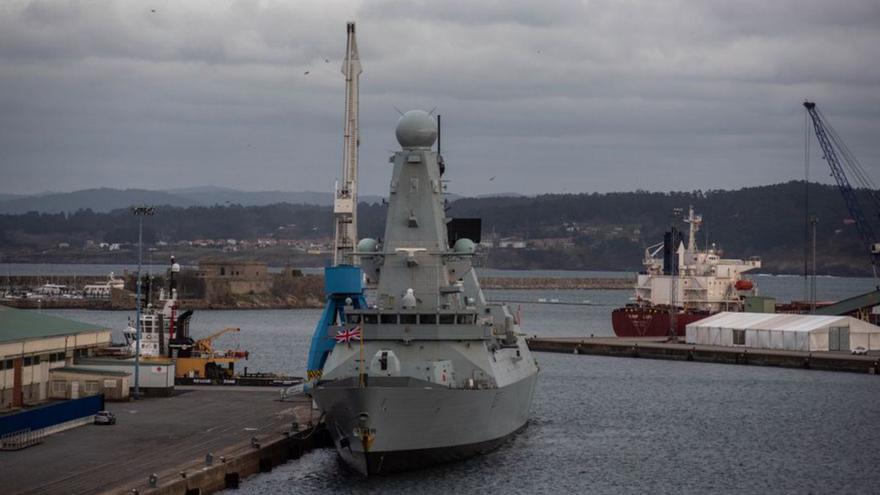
<point x="204" y="362"/>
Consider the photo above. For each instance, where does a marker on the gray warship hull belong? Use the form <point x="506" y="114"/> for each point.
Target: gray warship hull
<point x="416" y="423"/>
<point x="427" y="371"/>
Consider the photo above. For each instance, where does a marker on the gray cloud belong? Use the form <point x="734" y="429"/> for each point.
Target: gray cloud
<point x="550" y="96"/>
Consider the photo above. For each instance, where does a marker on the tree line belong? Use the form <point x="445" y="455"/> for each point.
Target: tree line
<point x="767" y="221"/>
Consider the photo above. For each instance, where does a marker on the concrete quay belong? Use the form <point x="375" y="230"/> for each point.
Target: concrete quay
<point x="245" y="429"/>
<point x="659" y="348"/>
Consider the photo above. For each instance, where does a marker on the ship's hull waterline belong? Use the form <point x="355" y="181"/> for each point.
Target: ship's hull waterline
<point x="414" y="423"/>
<point x="652" y="322"/>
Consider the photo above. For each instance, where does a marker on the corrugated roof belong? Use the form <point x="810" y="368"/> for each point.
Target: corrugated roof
<point x="111" y="361"/>
<point x="21" y="324"/>
<point x="84" y="371"/>
<point x="770" y="321"/>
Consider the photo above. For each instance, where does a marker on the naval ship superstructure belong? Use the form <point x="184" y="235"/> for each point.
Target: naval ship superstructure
<point x="428" y="372"/>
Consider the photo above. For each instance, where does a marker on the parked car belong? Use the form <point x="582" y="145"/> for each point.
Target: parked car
<point x="860" y="350"/>
<point x="105" y="418"/>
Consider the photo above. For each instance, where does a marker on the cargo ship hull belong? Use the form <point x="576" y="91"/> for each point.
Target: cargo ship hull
<point x="650" y="321"/>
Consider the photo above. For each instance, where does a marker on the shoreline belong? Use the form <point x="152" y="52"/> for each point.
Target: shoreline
<point x="313" y="298"/>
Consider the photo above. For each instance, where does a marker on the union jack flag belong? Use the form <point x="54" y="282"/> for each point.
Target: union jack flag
<point x="348" y="335"/>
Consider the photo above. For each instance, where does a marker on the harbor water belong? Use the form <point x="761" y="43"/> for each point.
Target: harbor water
<point x="612" y="425"/>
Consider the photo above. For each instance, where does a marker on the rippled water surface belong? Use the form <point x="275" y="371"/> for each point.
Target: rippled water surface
<point x="613" y="425"/>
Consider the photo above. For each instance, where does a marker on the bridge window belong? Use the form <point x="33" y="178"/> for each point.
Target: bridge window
<point x="446" y="319"/>
<point x="426" y="319"/>
<point x="388" y="319"/>
<point x="371" y="319"/>
<point x="465" y="319"/>
<point x="353" y="318"/>
<point x="407" y="319"/>
<point x="739" y="336"/>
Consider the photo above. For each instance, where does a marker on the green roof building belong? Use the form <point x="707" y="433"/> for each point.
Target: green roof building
<point x="32" y="343"/>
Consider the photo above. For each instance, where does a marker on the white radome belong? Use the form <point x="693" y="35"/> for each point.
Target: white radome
<point x="416" y="129"/>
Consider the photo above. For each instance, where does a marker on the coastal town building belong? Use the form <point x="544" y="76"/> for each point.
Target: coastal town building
<point x="233" y="278"/>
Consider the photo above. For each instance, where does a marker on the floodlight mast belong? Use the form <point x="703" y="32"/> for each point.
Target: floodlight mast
<point x="346" y="200"/>
<point x="140" y="212"/>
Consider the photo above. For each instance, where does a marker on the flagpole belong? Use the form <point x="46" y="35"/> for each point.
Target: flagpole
<point x="362" y="359"/>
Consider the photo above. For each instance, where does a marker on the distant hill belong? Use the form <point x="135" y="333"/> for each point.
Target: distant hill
<point x="102" y="200"/>
<point x="607" y="231"/>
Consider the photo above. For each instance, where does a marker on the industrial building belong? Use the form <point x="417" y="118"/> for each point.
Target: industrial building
<point x="32" y="344"/>
<point x="790" y="332"/>
<point x="155" y="375"/>
<point x="72" y="383"/>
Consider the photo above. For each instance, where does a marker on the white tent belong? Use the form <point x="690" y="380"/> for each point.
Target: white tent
<point x="784" y="332"/>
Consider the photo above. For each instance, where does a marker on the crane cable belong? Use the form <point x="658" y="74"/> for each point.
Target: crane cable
<point x="852" y="163"/>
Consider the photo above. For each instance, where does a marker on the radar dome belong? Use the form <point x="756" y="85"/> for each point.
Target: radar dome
<point x="367" y="245"/>
<point x="464" y="246"/>
<point x="416" y="129"/>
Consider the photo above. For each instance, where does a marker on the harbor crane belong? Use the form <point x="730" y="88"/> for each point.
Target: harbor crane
<point x="839" y="158"/>
<point x="343" y="282"/>
<point x="346" y="201"/>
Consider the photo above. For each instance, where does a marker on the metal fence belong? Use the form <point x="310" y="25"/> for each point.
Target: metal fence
<point x="21" y="439"/>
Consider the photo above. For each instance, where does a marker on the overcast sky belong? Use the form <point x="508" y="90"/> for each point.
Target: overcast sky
<point x="549" y="96"/>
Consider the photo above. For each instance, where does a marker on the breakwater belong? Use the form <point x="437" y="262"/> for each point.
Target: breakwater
<point x="562" y="283"/>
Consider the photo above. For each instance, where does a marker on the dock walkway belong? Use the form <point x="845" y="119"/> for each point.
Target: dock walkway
<point x="659" y="348"/>
<point x="157" y="435"/>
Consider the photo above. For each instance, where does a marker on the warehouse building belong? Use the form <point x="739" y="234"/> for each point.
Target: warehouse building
<point x="69" y="382"/>
<point x="32" y="344"/>
<point x="784" y="332"/>
<point x="155" y="375"/>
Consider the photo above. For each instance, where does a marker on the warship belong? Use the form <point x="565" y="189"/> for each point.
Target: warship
<point x="426" y="371"/>
<point x="429" y="372"/>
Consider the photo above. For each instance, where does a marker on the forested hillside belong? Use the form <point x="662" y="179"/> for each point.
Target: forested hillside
<point x="559" y="231"/>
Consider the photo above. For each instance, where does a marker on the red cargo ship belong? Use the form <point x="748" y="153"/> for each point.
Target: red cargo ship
<point x="697" y="283"/>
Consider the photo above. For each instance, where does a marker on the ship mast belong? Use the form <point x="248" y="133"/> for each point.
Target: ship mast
<point x="693" y="222"/>
<point x="345" y="204"/>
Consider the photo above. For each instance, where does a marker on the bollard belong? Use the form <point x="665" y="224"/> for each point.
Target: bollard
<point x="209" y="459"/>
<point x="153" y="480"/>
<point x="183" y="474"/>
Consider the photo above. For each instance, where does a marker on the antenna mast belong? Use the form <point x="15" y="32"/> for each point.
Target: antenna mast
<point x="345" y="204"/>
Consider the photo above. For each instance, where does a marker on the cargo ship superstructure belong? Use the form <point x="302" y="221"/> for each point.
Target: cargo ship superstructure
<point x="685" y="285"/>
<point x="429" y="372"/>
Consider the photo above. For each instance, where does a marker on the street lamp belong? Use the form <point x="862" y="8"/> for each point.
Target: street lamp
<point x="140" y="212"/>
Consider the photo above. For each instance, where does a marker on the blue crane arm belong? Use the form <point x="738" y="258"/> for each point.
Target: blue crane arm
<point x="846" y="190"/>
<point x="343" y="286"/>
